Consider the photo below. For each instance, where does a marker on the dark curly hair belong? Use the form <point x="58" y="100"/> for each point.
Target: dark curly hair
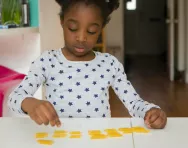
<point x="106" y="7"/>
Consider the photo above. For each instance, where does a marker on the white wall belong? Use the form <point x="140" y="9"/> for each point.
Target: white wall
<point x="115" y="31"/>
<point x="50" y="27"/>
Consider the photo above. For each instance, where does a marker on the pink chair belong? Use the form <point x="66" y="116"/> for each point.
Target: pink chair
<point x="7" y="76"/>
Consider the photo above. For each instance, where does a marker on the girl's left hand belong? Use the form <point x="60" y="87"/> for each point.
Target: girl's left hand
<point x="155" y="118"/>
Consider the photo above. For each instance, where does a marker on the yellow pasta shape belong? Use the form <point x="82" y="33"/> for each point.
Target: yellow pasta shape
<point x="60" y="132"/>
<point x="45" y="142"/>
<point x="93" y="132"/>
<point x="137" y="128"/>
<point x="114" y="135"/>
<point x="140" y="130"/>
<point x="41" y="135"/>
<point x="100" y="136"/>
<point x="75" y="136"/>
<point x="97" y="135"/>
<point x="111" y="131"/>
<point x="126" y="130"/>
<point x="59" y="135"/>
<point x="75" y="132"/>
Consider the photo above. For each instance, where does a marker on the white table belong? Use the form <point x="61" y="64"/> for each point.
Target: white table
<point x="174" y="135"/>
<point x="20" y="132"/>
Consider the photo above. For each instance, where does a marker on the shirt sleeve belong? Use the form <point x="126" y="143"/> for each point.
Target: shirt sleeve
<point x="30" y="84"/>
<point x="123" y="88"/>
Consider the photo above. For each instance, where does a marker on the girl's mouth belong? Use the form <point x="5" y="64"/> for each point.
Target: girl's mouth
<point x="80" y="50"/>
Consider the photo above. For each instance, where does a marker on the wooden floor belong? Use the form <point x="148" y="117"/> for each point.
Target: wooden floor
<point x="149" y="77"/>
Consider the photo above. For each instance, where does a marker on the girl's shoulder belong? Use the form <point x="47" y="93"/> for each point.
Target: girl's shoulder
<point x="50" y="53"/>
<point x="103" y="54"/>
<point x="47" y="54"/>
<point x="106" y="56"/>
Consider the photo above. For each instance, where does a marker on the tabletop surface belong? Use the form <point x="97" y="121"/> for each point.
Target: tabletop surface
<point x="174" y="135"/>
<point x="20" y="132"/>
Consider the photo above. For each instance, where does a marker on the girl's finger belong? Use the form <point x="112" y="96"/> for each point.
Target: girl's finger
<point x="155" y="114"/>
<point x="157" y="123"/>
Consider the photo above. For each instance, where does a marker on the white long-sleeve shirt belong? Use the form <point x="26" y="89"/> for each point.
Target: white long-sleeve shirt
<point x="79" y="88"/>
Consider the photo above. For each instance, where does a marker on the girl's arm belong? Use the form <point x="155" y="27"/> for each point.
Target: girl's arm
<point x="30" y="84"/>
<point x="136" y="106"/>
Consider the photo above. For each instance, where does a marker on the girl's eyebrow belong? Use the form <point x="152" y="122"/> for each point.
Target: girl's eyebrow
<point x="75" y="21"/>
<point x="95" y="24"/>
<point x="72" y="20"/>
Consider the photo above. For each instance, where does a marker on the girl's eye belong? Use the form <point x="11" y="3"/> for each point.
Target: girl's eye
<point x="92" y="33"/>
<point x="72" y="30"/>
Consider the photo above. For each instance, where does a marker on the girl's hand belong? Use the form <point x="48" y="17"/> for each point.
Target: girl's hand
<point x="155" y="118"/>
<point x="42" y="112"/>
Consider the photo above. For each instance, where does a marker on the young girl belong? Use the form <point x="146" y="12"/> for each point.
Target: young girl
<point x="76" y="78"/>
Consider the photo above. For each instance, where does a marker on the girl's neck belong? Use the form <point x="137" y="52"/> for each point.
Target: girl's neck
<point x="71" y="57"/>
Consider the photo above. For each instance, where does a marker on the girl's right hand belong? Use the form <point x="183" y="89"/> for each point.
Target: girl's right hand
<point x="42" y="112"/>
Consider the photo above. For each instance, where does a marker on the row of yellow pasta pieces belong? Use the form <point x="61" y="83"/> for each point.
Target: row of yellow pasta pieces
<point x="94" y="134"/>
<point x="134" y="130"/>
<point x="63" y="133"/>
<point x="97" y="134"/>
<point x="57" y="134"/>
<point x="60" y="134"/>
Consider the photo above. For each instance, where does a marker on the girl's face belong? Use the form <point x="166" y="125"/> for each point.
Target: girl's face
<point x="82" y="26"/>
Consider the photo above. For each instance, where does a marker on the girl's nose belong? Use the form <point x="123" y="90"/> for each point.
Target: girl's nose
<point x="81" y="37"/>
